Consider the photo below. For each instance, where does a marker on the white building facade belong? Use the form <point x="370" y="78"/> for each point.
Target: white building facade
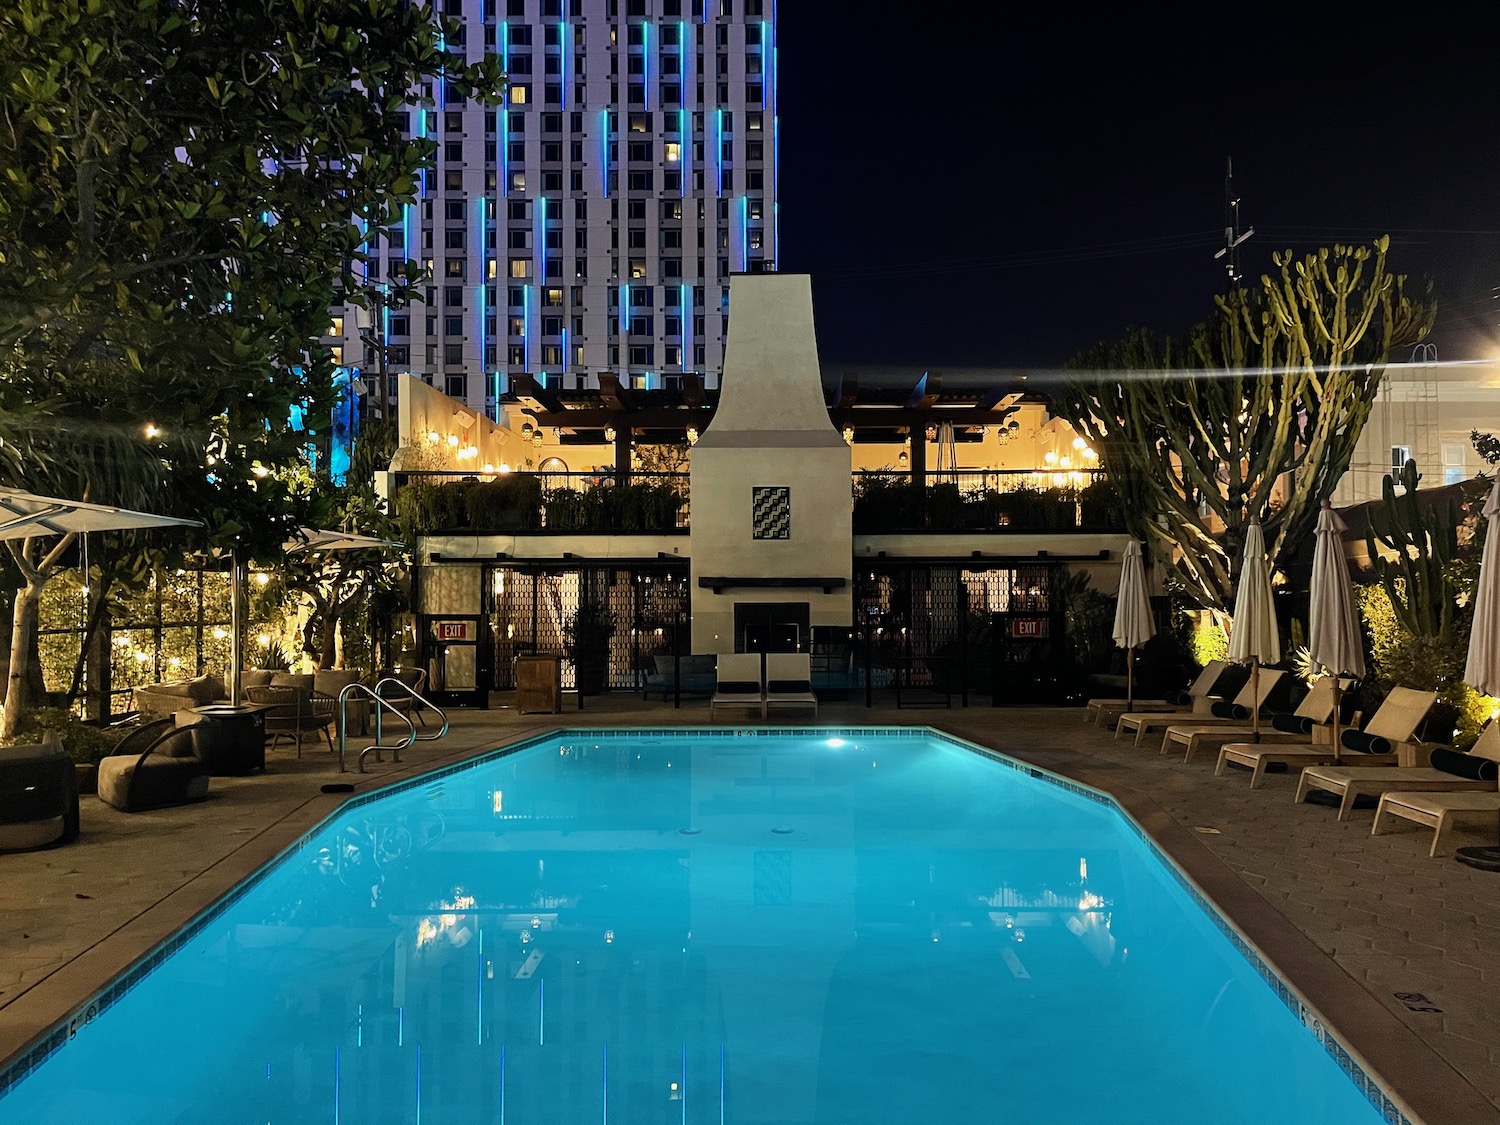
<point x="590" y="223"/>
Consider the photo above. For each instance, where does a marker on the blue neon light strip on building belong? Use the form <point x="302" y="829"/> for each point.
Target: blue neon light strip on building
<point x="604" y="151"/>
<point x="775" y="248"/>
<point x="744" y="234"/>
<point x="646" y="64"/>
<point x="526" y="324"/>
<point x="625" y="317"/>
<point x="687" y="326"/>
<point x="685" y="149"/>
<point x="562" y="48"/>
<point x="768" y="63"/>
<point x="503" y="156"/>
<point x="718" y="153"/>
<point x="564" y="351"/>
<point x="541" y="239"/>
<point x="479" y="208"/>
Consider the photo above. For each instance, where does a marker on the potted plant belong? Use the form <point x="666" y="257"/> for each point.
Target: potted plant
<point x="586" y="640"/>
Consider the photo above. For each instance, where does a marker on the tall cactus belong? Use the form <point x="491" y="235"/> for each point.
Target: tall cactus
<point x="1252" y="415"/>
<point x="1423" y="541"/>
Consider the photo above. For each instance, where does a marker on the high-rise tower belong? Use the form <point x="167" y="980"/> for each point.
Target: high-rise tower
<point x="590" y="223"/>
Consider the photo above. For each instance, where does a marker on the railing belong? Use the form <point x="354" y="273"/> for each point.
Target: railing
<point x="589" y="502"/>
<point x="1005" y="500"/>
<point x="1051" y="498"/>
<point x="383" y="704"/>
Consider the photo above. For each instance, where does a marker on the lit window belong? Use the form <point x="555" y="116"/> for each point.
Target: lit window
<point x="518" y="95"/>
<point x="520" y="267"/>
<point x="674" y="152"/>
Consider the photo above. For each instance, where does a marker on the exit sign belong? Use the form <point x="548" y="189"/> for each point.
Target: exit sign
<point x="455" y="630"/>
<point x="1029" y="628"/>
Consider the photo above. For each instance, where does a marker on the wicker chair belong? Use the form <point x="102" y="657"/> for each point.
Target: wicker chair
<point x="296" y="712"/>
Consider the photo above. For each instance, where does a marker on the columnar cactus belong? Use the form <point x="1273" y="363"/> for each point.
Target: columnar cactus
<point x="1420" y="542"/>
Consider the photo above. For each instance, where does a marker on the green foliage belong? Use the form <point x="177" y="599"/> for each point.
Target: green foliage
<point x="1424" y="540"/>
<point x="586" y="641"/>
<point x="1208" y="639"/>
<point x="1196" y="432"/>
<point x="511" y="502"/>
<point x="1089" y="618"/>
<point x="890" y="502"/>
<point x="84" y="742"/>
<point x="1426" y="662"/>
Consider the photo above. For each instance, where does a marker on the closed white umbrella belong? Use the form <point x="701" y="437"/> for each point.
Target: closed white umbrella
<point x="1482" y="670"/>
<point x="1334" y="644"/>
<point x="1253" y="637"/>
<point x="1134" y="625"/>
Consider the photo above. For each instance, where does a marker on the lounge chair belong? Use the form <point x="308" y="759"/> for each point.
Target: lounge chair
<point x="1387" y="738"/>
<point x="154" y="766"/>
<point x="789" y="681"/>
<point x="295" y="712"/>
<point x="739" y="684"/>
<point x="1439" y="810"/>
<point x="1214" y="712"/>
<point x="38" y="796"/>
<point x="1110" y="710"/>
<point x="1312" y="714"/>
<point x="1352" y="782"/>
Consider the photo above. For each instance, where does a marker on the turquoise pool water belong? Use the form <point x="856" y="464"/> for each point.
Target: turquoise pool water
<point x="706" y="927"/>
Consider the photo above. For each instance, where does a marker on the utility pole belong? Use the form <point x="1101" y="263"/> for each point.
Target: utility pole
<point x="1232" y="235"/>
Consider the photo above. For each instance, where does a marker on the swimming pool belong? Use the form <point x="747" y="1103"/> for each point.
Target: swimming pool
<point x="707" y="926"/>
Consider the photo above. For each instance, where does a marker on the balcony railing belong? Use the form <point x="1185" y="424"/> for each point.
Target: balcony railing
<point x="1000" y="501"/>
<point x="1004" y="501"/>
<point x="651" y="503"/>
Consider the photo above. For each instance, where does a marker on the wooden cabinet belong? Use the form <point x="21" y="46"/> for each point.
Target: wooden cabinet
<point x="539" y="682"/>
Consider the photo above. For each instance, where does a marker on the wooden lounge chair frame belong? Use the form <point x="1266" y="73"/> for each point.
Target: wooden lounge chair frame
<point x="737" y="672"/>
<point x="1437" y="810"/>
<point x="1352" y="782"/>
<point x="789" y="681"/>
<point x="1102" y="710"/>
<point x="1396" y="720"/>
<point x="1316" y="707"/>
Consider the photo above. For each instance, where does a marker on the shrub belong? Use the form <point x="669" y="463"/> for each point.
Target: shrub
<point x="84" y="742"/>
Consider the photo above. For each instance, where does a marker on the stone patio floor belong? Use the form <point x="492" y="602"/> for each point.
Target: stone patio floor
<point x="1354" y="921"/>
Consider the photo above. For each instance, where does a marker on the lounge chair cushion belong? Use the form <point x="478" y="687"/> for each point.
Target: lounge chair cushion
<point x="789" y="687"/>
<point x="1470" y="766"/>
<point x="739" y="687"/>
<point x="1224" y="709"/>
<point x="1362" y="743"/>
<point x="1179" y="698"/>
<point x="1291" y="724"/>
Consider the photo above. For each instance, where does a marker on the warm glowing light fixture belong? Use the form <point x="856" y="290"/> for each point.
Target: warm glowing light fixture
<point x="609" y="433"/>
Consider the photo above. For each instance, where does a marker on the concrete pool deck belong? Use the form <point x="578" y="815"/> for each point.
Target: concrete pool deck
<point x="1399" y="952"/>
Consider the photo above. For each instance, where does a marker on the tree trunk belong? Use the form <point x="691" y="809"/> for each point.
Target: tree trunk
<point x="22" y="638"/>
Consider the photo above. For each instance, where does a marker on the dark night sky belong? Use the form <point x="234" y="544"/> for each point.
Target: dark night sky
<point x="970" y="188"/>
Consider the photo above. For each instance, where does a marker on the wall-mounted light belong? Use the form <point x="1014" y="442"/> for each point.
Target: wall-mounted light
<point x="692" y="435"/>
<point x="526" y="429"/>
<point x="849" y="434"/>
<point x="536" y="438"/>
<point x="902" y="459"/>
<point x="932" y="433"/>
<point x="609" y="433"/>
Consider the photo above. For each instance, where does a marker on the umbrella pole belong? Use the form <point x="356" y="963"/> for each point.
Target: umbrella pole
<point x="1130" y="679"/>
<point x="1255" y="700"/>
<point x="1336" y="758"/>
<point x="236" y="626"/>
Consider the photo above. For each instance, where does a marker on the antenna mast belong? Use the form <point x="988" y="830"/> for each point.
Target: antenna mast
<point x="1232" y="235"/>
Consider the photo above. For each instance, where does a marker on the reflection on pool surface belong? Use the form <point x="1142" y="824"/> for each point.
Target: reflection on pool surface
<point x="696" y="926"/>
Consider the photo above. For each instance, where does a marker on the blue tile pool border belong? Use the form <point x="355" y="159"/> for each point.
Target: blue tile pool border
<point x="61" y="1033"/>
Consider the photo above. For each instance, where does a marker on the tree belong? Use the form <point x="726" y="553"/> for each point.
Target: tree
<point x="189" y="187"/>
<point x="1252" y="415"/>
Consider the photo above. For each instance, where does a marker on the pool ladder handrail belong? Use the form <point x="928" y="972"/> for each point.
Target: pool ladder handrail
<point x="383" y="704"/>
<point x="421" y="699"/>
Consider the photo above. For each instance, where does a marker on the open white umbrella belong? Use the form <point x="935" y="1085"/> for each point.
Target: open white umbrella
<point x="1134" y="625"/>
<point x="1253" y="637"/>
<point x="312" y="539"/>
<point x="24" y="515"/>
<point x="1334" y="644"/>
